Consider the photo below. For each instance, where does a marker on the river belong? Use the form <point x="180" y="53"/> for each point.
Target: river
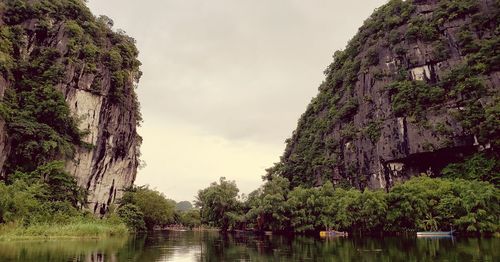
<point x="212" y="246"/>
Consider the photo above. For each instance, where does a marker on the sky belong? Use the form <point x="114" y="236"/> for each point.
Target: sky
<point x="225" y="81"/>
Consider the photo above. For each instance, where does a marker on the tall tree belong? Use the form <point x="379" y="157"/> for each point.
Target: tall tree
<point x="219" y="205"/>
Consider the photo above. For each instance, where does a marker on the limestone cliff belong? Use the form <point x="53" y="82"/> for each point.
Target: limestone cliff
<point x="416" y="89"/>
<point x="52" y="50"/>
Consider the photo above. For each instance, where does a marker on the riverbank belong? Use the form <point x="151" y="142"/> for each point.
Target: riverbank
<point x="95" y="229"/>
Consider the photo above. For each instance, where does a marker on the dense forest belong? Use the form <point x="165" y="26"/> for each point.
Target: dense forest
<point x="422" y="203"/>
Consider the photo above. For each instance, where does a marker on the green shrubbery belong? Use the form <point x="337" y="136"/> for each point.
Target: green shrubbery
<point x="412" y="98"/>
<point x="132" y="216"/>
<point x="441" y="50"/>
<point x="38" y="119"/>
<point x="421" y="30"/>
<point x="453" y="9"/>
<point x="47" y="202"/>
<point x="143" y="208"/>
<point x="422" y="203"/>
<point x="432" y="204"/>
<point x="481" y="166"/>
<point x="190" y="218"/>
<point x="373" y="130"/>
<point x="39" y="122"/>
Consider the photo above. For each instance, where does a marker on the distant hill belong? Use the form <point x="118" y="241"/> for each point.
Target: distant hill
<point x="183" y="206"/>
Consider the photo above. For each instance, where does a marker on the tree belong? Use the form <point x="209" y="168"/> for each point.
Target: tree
<point x="267" y="206"/>
<point x="423" y="203"/>
<point x="191" y="218"/>
<point x="219" y="205"/>
<point x="156" y="208"/>
<point x="58" y="184"/>
<point x="372" y="212"/>
<point x="132" y="216"/>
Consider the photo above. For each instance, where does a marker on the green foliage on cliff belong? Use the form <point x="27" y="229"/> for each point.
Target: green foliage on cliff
<point x="39" y="122"/>
<point x="481" y="166"/>
<point x="412" y="98"/>
<point x="313" y="152"/>
<point x="344" y="110"/>
<point x="38" y="119"/>
<point x="464" y="83"/>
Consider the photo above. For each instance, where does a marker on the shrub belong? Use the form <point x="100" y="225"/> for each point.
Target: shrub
<point x="411" y="98"/>
<point x="440" y="51"/>
<point x="467" y="42"/>
<point x="476" y="167"/>
<point x="372" y="57"/>
<point x="156" y="209"/>
<point x="132" y="216"/>
<point x="373" y="130"/>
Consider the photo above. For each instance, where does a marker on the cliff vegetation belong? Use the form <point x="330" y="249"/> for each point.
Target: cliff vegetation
<point x="56" y="56"/>
<point x="416" y="89"/>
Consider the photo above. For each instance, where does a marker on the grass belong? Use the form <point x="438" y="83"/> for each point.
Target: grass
<point x="74" y="229"/>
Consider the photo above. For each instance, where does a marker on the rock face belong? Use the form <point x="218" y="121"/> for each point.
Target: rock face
<point x="99" y="74"/>
<point x="416" y="89"/>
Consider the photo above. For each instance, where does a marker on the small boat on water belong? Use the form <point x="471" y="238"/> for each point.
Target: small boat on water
<point x="332" y="233"/>
<point x="435" y="233"/>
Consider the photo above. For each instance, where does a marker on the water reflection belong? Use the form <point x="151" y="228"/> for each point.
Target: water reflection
<point x="211" y="246"/>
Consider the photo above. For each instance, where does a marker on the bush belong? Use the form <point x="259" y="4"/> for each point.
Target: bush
<point x="423" y="203"/>
<point x="373" y="130"/>
<point x="132" y="216"/>
<point x="190" y="218"/>
<point x="476" y="167"/>
<point x="467" y="42"/>
<point x="422" y="30"/>
<point x="156" y="209"/>
<point x="372" y="57"/>
<point x="411" y="98"/>
<point x="440" y="51"/>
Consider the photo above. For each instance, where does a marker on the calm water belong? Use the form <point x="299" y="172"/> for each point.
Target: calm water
<point x="209" y="246"/>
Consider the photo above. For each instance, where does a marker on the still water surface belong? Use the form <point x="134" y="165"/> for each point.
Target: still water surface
<point x="211" y="246"/>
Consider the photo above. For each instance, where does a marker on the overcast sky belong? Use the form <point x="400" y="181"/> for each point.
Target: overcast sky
<point x="225" y="81"/>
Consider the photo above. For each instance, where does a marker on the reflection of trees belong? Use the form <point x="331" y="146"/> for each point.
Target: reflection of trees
<point x="212" y="246"/>
<point x="61" y="250"/>
<point x="272" y="248"/>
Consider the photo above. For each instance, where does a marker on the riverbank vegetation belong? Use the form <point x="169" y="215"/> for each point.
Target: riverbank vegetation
<point x="37" y="197"/>
<point x="421" y="203"/>
<point x="47" y="202"/>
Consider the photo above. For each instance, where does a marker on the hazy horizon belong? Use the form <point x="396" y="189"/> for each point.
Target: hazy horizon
<point x="225" y="81"/>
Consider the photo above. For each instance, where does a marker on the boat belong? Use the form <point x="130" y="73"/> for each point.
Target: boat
<point x="332" y="233"/>
<point x="435" y="233"/>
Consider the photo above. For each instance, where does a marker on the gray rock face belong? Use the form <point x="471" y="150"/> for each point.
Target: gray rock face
<point x="111" y="164"/>
<point x="404" y="147"/>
